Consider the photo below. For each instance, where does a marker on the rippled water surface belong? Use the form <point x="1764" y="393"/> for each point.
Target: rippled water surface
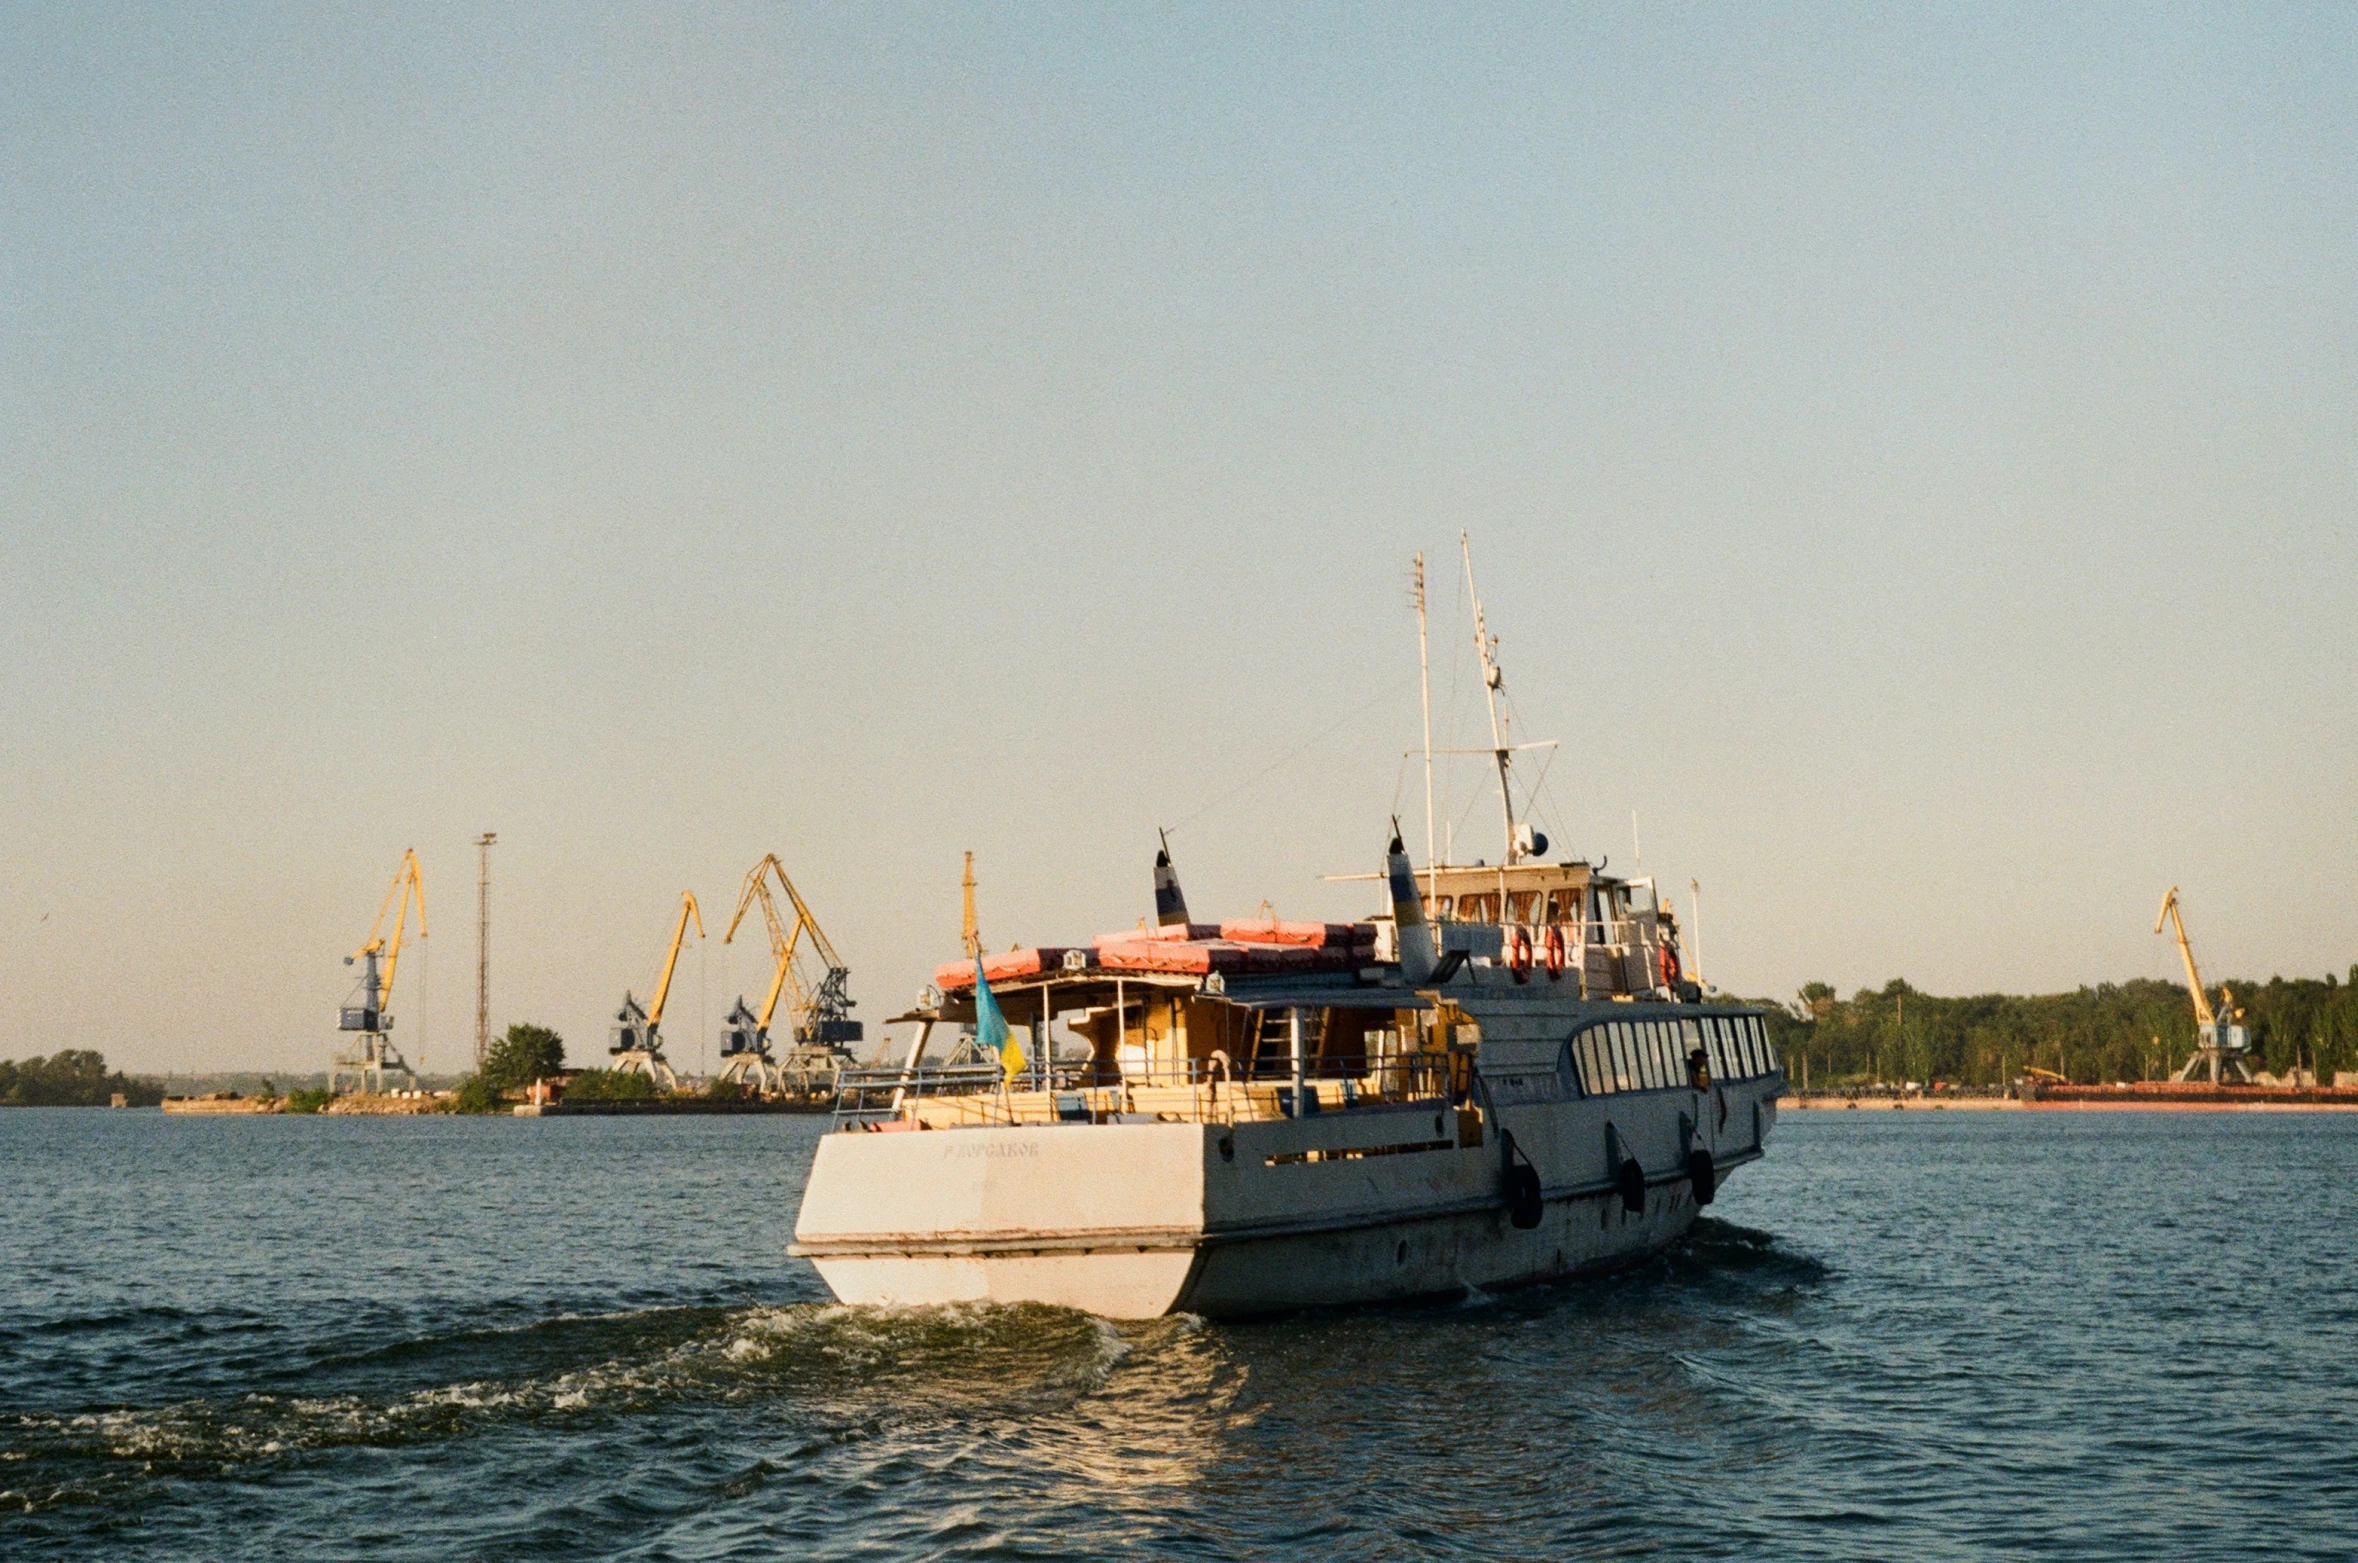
<point x="1925" y="1335"/>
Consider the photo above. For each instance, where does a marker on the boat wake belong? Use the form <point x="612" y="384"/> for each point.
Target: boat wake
<point x="1724" y="1246"/>
<point x="842" y="1369"/>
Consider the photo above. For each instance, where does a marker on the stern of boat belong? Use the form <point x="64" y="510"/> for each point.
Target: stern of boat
<point x="1105" y="1219"/>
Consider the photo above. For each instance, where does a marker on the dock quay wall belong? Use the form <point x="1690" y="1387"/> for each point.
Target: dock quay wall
<point x="2156" y="1097"/>
<point x="664" y="1107"/>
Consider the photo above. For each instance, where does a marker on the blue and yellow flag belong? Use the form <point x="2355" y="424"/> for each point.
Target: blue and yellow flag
<point x="991" y="1033"/>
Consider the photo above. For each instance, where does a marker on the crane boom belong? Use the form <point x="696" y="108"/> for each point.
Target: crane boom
<point x="679" y="932"/>
<point x="2204" y="1017"/>
<point x="408" y="886"/>
<point x="808" y="1004"/>
<point x="782" y="946"/>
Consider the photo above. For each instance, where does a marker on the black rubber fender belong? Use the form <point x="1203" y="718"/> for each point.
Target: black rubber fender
<point x="1703" y="1174"/>
<point x="1631" y="1181"/>
<point x="1522" y="1195"/>
<point x="1518" y="1184"/>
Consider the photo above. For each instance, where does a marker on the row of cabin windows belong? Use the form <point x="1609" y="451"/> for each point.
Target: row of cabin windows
<point x="1571" y="907"/>
<point x="1651" y="1055"/>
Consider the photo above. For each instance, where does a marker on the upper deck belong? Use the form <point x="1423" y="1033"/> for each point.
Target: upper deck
<point x="1148" y="1035"/>
<point x="1615" y="935"/>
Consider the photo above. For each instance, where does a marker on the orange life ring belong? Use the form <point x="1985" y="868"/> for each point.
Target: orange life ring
<point x="1670" y="968"/>
<point x="1552" y="950"/>
<point x="1519" y="953"/>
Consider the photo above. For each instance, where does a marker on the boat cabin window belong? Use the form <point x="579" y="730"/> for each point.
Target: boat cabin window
<point x="1618" y="1057"/>
<point x="1651" y="1055"/>
<point x="1586" y="1061"/>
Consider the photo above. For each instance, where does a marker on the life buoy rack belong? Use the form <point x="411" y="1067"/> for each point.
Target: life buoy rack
<point x="1519" y="953"/>
<point x="1670" y="968"/>
<point x="1552" y="952"/>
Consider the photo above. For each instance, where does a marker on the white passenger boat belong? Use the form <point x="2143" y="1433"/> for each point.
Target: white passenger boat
<point x="1503" y="1079"/>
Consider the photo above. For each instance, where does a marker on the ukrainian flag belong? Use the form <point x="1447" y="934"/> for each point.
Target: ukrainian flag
<point x="991" y="1033"/>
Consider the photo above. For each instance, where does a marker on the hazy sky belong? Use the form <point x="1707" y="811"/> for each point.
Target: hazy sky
<point x="1909" y="453"/>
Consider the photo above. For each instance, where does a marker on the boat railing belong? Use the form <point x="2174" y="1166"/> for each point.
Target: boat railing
<point x="1615" y="956"/>
<point x="1189" y="1090"/>
<point x="877" y="1092"/>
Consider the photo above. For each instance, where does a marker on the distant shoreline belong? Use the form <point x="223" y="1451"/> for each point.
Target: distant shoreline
<point x="1830" y="1102"/>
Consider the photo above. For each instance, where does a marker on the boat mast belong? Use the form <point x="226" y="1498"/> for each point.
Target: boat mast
<point x="1424" y="664"/>
<point x="1492" y="678"/>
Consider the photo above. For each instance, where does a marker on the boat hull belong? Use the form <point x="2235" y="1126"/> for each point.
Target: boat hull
<point x="1113" y="1285"/>
<point x="1226" y="1221"/>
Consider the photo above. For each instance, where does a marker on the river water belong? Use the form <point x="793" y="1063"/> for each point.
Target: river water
<point x="1922" y="1335"/>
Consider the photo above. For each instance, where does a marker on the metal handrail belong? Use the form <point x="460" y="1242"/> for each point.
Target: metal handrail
<point x="878" y="1093"/>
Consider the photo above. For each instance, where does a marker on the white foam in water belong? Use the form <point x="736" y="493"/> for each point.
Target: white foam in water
<point x="1112" y="1345"/>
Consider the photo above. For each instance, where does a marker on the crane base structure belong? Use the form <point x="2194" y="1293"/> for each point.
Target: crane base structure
<point x="368" y="1064"/>
<point x="2222" y="1055"/>
<point x="649" y="1062"/>
<point x="637" y="1049"/>
<point x="745" y="1054"/>
<point x="807" y="1071"/>
<point x="753" y="1074"/>
<point x="813" y="1072"/>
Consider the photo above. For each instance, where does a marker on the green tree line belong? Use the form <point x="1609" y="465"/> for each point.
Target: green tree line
<point x="2135" y="1030"/>
<point x="75" y="1077"/>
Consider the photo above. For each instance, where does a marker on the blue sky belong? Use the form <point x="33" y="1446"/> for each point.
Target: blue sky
<point x="1909" y="455"/>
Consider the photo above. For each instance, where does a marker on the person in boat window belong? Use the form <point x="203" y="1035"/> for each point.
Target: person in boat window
<point x="1698" y="1070"/>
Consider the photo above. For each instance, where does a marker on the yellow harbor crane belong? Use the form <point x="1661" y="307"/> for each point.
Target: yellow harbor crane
<point x="638" y="1028"/>
<point x="2220" y="1046"/>
<point x="818" y="1006"/>
<point x="367" y="1012"/>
